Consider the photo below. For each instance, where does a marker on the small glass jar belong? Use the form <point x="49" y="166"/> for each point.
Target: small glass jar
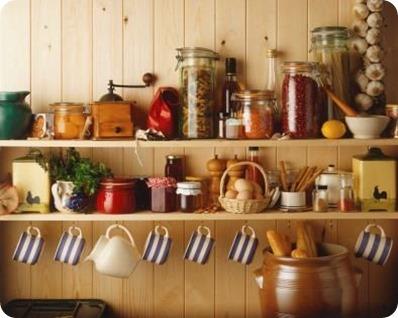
<point x="301" y="113"/>
<point x="69" y="120"/>
<point x="347" y="200"/>
<point x="258" y="113"/>
<point x="197" y="92"/>
<point x="116" y="196"/>
<point x="320" y="198"/>
<point x="330" y="49"/>
<point x="163" y="194"/>
<point x="204" y="187"/>
<point x="189" y="196"/>
<point x="174" y="168"/>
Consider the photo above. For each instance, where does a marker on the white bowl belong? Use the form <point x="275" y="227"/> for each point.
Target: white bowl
<point x="367" y="127"/>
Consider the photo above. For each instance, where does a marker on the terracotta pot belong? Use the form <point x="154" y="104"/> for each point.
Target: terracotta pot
<point x="304" y="288"/>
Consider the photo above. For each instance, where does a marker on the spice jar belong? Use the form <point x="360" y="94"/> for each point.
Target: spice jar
<point x="300" y="100"/>
<point x="320" y="198"/>
<point x="116" y="196"/>
<point x="69" y="120"/>
<point x="189" y="196"/>
<point x="174" y="168"/>
<point x="257" y="107"/>
<point x="346" y="201"/>
<point x="163" y="194"/>
<point x="204" y="187"/>
<point x="197" y="92"/>
<point x="330" y="49"/>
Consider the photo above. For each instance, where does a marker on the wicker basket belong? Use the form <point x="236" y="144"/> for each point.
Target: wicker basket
<point x="244" y="206"/>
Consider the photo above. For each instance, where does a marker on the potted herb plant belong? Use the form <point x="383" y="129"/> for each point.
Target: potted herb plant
<point x="76" y="180"/>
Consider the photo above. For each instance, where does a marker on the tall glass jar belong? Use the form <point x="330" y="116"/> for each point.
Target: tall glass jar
<point x="197" y="92"/>
<point x="301" y="104"/>
<point x="257" y="109"/>
<point x="330" y="49"/>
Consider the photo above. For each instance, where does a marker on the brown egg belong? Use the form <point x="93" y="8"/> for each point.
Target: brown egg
<point x="243" y="185"/>
<point x="230" y="194"/>
<point x="245" y="195"/>
<point x="258" y="196"/>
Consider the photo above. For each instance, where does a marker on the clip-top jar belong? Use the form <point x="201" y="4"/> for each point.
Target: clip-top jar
<point x="69" y="120"/>
<point x="190" y="196"/>
<point x="301" y="111"/>
<point x="197" y="92"/>
<point x="258" y="109"/>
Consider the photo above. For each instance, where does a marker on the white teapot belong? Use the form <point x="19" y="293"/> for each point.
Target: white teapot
<point x="115" y="256"/>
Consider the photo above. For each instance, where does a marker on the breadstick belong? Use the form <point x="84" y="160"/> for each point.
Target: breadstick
<point x="298" y="253"/>
<point x="305" y="239"/>
<point x="283" y="176"/>
<point x="305" y="178"/>
<point x="312" y="179"/>
<point x="298" y="179"/>
<point x="278" y="244"/>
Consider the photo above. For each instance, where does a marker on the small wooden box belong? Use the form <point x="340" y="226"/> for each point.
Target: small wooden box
<point x="112" y="120"/>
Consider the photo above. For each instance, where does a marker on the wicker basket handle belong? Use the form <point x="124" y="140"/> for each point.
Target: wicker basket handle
<point x="244" y="163"/>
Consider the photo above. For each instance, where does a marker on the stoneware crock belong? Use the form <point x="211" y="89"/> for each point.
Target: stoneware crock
<point x="310" y="288"/>
<point x="15" y="115"/>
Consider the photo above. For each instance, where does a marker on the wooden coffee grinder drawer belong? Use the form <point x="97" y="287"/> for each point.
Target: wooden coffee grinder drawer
<point x="112" y="120"/>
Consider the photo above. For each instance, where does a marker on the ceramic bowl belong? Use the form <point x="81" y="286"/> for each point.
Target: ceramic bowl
<point x="369" y="127"/>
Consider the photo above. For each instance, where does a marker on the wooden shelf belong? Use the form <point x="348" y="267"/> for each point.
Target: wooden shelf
<point x="221" y="216"/>
<point x="194" y="143"/>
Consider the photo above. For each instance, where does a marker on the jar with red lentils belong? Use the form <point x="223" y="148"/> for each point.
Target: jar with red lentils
<point x="302" y="111"/>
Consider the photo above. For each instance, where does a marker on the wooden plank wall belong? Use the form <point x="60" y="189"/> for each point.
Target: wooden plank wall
<point x="68" y="50"/>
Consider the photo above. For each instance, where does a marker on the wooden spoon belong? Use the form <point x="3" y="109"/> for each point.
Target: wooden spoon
<point x="344" y="107"/>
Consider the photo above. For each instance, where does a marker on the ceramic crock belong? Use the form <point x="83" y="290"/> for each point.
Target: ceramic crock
<point x="310" y="288"/>
<point x="15" y="115"/>
<point x="116" y="196"/>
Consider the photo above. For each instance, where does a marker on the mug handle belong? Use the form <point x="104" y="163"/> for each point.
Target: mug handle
<point x="33" y="228"/>
<point x="75" y="228"/>
<point x="203" y="230"/>
<point x="162" y="228"/>
<point x="367" y="229"/>
<point x="246" y="229"/>
<point x="118" y="226"/>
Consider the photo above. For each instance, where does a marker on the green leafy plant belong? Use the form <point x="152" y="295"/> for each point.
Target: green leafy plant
<point x="85" y="174"/>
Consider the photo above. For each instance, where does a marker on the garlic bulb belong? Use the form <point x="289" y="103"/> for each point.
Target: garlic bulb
<point x="365" y="102"/>
<point x="373" y="36"/>
<point x="360" y="27"/>
<point x="362" y="81"/>
<point x="361" y="11"/>
<point x="375" y="5"/>
<point x="359" y="45"/>
<point x="375" y="88"/>
<point x="375" y="72"/>
<point x="375" y="20"/>
<point x="374" y="53"/>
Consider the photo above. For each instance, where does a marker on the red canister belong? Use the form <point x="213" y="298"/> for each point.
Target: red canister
<point x="116" y="196"/>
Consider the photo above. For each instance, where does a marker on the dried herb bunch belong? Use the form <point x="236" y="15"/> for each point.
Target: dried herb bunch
<point x="85" y="174"/>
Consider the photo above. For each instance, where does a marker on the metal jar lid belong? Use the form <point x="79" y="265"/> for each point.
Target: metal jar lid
<point x="189" y="188"/>
<point x="253" y="95"/>
<point x="67" y="107"/>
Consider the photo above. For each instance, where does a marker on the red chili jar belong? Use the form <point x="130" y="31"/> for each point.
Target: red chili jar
<point x="116" y="196"/>
<point x="302" y="111"/>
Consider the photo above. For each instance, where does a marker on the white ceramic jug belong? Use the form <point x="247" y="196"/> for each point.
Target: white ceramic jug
<point x="115" y="256"/>
<point x="62" y="192"/>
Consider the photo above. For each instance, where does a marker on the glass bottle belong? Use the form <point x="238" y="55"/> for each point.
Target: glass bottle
<point x="252" y="173"/>
<point x="320" y="199"/>
<point x="197" y="92"/>
<point x="174" y="168"/>
<point x="330" y="49"/>
<point x="272" y="72"/>
<point x="231" y="86"/>
<point x="347" y="200"/>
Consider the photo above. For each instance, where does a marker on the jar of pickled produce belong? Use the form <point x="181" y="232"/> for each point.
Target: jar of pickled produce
<point x="301" y="103"/>
<point x="163" y="194"/>
<point x="69" y="120"/>
<point x="330" y="49"/>
<point x="190" y="196"/>
<point x="197" y="92"/>
<point x="258" y="113"/>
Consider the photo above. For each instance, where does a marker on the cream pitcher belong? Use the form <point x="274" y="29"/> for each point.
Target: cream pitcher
<point x="115" y="256"/>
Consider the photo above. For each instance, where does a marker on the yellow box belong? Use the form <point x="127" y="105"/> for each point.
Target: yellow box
<point x="375" y="181"/>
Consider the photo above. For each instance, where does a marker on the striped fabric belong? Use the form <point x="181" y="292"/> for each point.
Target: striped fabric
<point x="373" y="247"/>
<point x="243" y="248"/>
<point x="199" y="248"/>
<point x="70" y="248"/>
<point x="28" y="249"/>
<point x="157" y="248"/>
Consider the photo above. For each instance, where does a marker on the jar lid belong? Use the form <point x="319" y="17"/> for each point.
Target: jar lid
<point x="117" y="182"/>
<point x="161" y="182"/>
<point x="195" y="179"/>
<point x="299" y="66"/>
<point x="392" y="107"/>
<point x="173" y="157"/>
<point x="253" y="95"/>
<point x="272" y="53"/>
<point x="68" y="107"/>
<point x="330" y="32"/>
<point x="196" y="52"/>
<point x="322" y="187"/>
<point x="189" y="185"/>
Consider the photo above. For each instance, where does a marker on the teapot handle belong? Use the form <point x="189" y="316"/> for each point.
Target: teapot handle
<point x="118" y="226"/>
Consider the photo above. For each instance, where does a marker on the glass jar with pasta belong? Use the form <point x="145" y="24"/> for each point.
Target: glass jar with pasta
<point x="197" y="92"/>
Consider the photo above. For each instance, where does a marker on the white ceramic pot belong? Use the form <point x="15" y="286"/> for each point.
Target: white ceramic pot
<point x="115" y="256"/>
<point x="370" y="127"/>
<point x="62" y="192"/>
